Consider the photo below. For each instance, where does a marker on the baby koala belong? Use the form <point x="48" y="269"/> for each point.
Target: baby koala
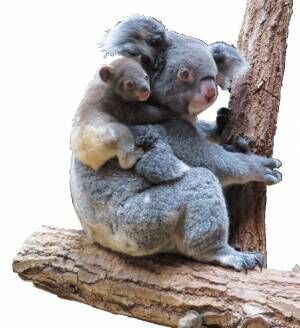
<point x="115" y="97"/>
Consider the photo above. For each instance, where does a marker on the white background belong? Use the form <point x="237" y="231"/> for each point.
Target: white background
<point x="48" y="54"/>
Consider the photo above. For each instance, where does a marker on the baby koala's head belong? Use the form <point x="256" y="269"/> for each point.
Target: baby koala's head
<point x="127" y="78"/>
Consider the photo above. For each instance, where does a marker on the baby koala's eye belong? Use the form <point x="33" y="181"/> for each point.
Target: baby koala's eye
<point x="146" y="77"/>
<point x="129" y="85"/>
<point x="184" y="74"/>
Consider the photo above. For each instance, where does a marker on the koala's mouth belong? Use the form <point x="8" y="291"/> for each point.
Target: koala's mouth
<point x="205" y="98"/>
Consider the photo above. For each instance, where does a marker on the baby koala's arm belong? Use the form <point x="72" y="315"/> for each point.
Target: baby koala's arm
<point x="143" y="113"/>
<point x="158" y="164"/>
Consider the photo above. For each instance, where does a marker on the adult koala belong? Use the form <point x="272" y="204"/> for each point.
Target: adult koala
<point x="172" y="200"/>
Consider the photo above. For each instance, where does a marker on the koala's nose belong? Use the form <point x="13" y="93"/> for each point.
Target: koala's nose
<point x="143" y="93"/>
<point x="210" y="94"/>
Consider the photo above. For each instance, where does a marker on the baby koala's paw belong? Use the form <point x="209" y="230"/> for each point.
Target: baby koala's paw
<point x="128" y="160"/>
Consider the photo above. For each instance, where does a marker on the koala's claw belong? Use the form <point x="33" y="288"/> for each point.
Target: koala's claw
<point x="272" y="163"/>
<point x="277" y="163"/>
<point x="273" y="177"/>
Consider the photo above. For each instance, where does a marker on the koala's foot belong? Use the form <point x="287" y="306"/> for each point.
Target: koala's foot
<point x="192" y="319"/>
<point x="128" y="160"/>
<point x="240" y="261"/>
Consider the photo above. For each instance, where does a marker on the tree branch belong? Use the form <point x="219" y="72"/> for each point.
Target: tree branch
<point x="159" y="289"/>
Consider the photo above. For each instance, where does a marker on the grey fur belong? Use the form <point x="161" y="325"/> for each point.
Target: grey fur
<point x="195" y="150"/>
<point x="172" y="201"/>
<point x="136" y="35"/>
<point x="229" y="61"/>
<point x="97" y="133"/>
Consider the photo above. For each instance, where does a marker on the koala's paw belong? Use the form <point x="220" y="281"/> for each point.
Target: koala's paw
<point x="269" y="175"/>
<point x="242" y="145"/>
<point x="222" y="119"/>
<point x="128" y="160"/>
<point x="240" y="261"/>
<point x="238" y="145"/>
<point x="191" y="319"/>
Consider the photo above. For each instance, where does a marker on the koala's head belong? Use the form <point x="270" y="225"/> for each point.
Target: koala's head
<point x="186" y="70"/>
<point x="127" y="78"/>
<point x="188" y="82"/>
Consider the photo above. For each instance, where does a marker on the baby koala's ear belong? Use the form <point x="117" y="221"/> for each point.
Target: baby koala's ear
<point x="106" y="73"/>
<point x="230" y="63"/>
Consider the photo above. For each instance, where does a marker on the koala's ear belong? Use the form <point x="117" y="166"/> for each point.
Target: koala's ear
<point x="106" y="73"/>
<point x="230" y="63"/>
<point x="134" y="36"/>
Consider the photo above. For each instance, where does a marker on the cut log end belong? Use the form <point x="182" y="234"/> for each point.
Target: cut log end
<point x="159" y="289"/>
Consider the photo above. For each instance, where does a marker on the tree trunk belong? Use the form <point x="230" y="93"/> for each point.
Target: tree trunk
<point x="254" y="105"/>
<point x="159" y="289"/>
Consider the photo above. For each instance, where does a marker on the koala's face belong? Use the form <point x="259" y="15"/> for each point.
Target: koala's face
<point x="128" y="79"/>
<point x="187" y="83"/>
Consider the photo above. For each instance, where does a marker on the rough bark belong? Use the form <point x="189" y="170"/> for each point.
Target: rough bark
<point x="158" y="289"/>
<point x="254" y="105"/>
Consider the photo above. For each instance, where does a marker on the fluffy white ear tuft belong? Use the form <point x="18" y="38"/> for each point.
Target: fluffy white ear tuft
<point x="230" y="63"/>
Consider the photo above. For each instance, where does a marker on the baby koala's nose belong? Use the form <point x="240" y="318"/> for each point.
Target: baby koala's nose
<point x="144" y="88"/>
<point x="143" y="93"/>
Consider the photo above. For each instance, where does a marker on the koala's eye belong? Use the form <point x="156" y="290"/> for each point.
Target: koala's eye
<point x="184" y="74"/>
<point x="146" y="77"/>
<point x="129" y="85"/>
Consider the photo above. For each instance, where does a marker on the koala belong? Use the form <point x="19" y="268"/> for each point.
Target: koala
<point x="150" y="208"/>
<point x="115" y="96"/>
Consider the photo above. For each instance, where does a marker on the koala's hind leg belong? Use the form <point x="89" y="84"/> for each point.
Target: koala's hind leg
<point x="153" y="219"/>
<point x="95" y="144"/>
<point x="203" y="232"/>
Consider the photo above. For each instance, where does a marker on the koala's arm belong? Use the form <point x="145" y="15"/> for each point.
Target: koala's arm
<point x="230" y="167"/>
<point x="237" y="168"/>
<point x="143" y="113"/>
<point x="158" y="164"/>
